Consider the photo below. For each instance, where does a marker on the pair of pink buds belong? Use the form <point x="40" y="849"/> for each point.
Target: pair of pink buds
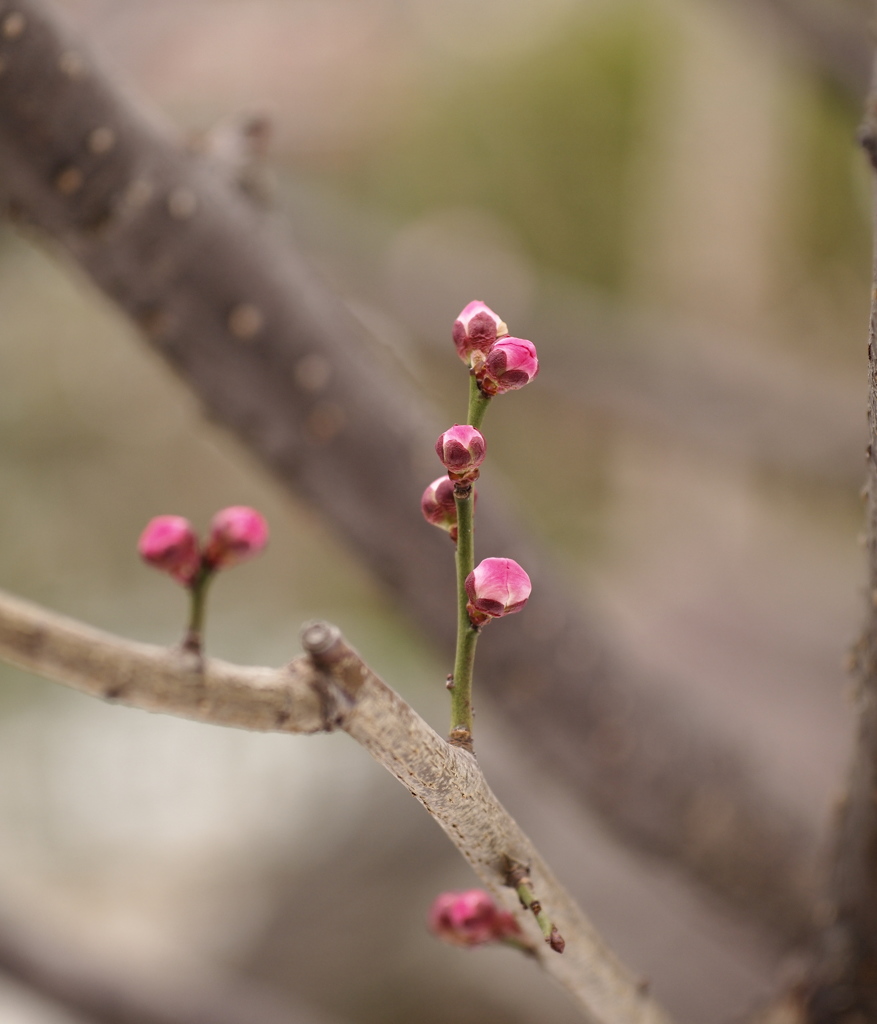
<point x="170" y="544"/>
<point x="500" y="363"/>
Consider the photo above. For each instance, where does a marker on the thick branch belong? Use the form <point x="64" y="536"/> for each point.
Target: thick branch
<point x="333" y="689"/>
<point x="158" y="678"/>
<point x="281" y="362"/>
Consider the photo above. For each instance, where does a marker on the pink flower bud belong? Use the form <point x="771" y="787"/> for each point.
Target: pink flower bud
<point x="470" y="919"/>
<point x="438" y="505"/>
<point x="169" y="543"/>
<point x="497" y="586"/>
<point x="236" y="534"/>
<point x="509" y="365"/>
<point x="476" y="329"/>
<point x="461" y="450"/>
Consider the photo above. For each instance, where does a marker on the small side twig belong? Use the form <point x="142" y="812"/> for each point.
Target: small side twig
<point x="518" y="878"/>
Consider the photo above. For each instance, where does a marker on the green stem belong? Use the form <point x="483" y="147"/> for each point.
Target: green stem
<point x="467" y="634"/>
<point x="478" y="403"/>
<point x="193" y="639"/>
<point x="528" y="900"/>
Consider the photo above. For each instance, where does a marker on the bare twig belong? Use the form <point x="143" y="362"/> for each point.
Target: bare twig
<point x="844" y="984"/>
<point x="332" y="688"/>
<point x="280" y="361"/>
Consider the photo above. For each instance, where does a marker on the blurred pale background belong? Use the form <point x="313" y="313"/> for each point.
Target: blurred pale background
<point x="666" y="196"/>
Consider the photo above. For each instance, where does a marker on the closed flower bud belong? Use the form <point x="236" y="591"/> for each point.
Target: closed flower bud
<point x="236" y="534"/>
<point x="169" y="543"/>
<point x="438" y="505"/>
<point x="497" y="586"/>
<point x="461" y="451"/>
<point x="510" y="364"/>
<point x="470" y="919"/>
<point x="476" y="329"/>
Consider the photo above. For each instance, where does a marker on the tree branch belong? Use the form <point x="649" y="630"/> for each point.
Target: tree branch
<point x="331" y="688"/>
<point x="282" y="363"/>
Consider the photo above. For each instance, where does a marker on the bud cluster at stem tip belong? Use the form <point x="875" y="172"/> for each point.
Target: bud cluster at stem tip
<point x="499" y="363"/>
<point x="470" y="919"/>
<point x="496" y="587"/>
<point x="170" y="543"/>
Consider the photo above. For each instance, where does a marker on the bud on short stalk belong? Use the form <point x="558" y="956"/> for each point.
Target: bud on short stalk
<point x="496" y="587"/>
<point x="476" y="329"/>
<point x="438" y="505"/>
<point x="471" y="919"/>
<point x="169" y="543"/>
<point x="510" y="364"/>
<point x="236" y="534"/>
<point x="461" y="451"/>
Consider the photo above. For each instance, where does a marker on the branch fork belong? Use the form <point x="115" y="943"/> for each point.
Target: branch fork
<point x="330" y="687"/>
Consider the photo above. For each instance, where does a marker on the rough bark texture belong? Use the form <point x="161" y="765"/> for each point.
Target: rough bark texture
<point x="333" y="689"/>
<point x="279" y="361"/>
<point x="158" y="678"/>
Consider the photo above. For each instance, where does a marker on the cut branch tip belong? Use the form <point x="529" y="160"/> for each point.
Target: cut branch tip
<point x="319" y="638"/>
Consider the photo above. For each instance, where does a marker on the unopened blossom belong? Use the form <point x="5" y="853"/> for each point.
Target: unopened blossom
<point x="496" y="587"/>
<point x="438" y="505"/>
<point x="476" y="329"/>
<point x="510" y="364"/>
<point x="236" y="534"/>
<point x="169" y="543"/>
<point x="461" y="450"/>
<point x="470" y="918"/>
